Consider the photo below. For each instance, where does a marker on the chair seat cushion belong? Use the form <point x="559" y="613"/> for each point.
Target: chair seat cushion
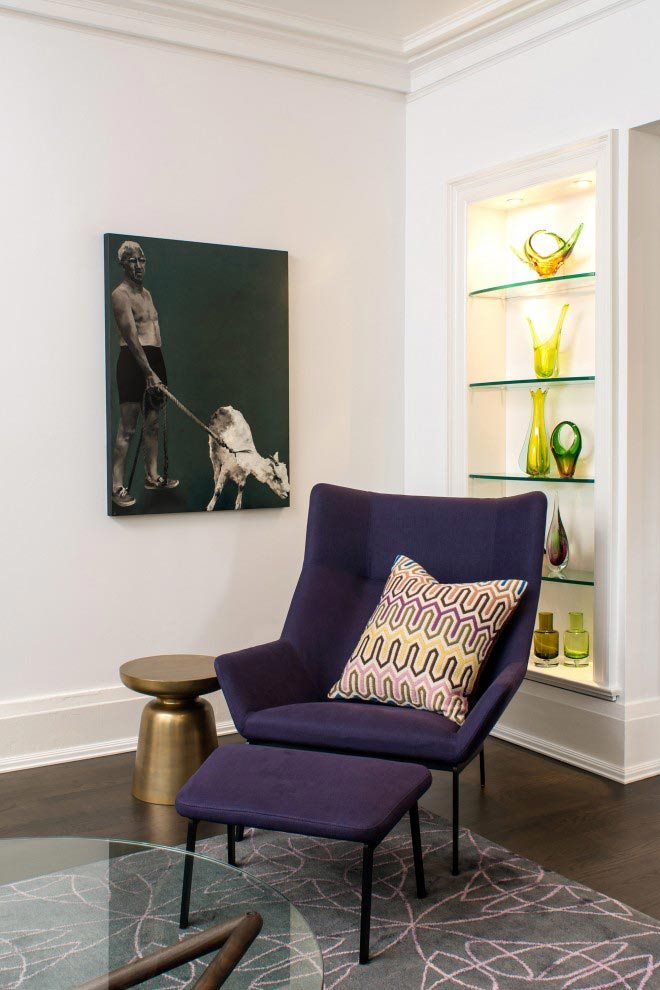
<point x="358" y="727"/>
<point x="289" y="790"/>
<point x="426" y="642"/>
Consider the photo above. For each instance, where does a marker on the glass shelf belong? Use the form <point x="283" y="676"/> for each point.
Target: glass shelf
<point x="514" y="382"/>
<point x="538" y="286"/>
<point x="548" y="479"/>
<point x="584" y="578"/>
<point x="574" y="675"/>
<point x="579" y="679"/>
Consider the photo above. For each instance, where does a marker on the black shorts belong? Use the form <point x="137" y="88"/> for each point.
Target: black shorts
<point x="130" y="379"/>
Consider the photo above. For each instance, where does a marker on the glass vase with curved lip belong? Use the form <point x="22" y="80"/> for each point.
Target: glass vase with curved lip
<point x="534" y="457"/>
<point x="546" y="352"/>
<point x="556" y="543"/>
<point x="547" y="265"/>
<point x="566" y="455"/>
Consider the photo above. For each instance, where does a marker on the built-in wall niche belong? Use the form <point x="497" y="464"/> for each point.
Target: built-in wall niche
<point x="494" y="360"/>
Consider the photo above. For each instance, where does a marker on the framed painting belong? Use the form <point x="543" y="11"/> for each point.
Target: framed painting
<point x="197" y="378"/>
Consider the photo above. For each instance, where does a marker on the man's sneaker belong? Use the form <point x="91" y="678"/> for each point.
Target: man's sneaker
<point x="123" y="498"/>
<point x="160" y="485"/>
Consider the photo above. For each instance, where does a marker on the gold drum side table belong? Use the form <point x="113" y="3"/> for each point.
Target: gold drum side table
<point x="177" y="730"/>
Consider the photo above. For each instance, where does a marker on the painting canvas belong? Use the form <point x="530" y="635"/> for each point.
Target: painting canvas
<point x="196" y="376"/>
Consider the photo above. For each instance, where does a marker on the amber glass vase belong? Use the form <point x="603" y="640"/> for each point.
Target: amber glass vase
<point x="546" y="642"/>
<point x="547" y="265"/>
<point x="535" y="455"/>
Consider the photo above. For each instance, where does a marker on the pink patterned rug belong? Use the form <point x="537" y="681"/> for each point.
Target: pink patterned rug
<point x="504" y="924"/>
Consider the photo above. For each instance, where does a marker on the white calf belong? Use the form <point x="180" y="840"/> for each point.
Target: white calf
<point x="242" y="458"/>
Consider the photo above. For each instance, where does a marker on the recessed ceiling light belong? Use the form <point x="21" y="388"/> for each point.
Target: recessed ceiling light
<point x="583" y="183"/>
<point x="514" y="201"/>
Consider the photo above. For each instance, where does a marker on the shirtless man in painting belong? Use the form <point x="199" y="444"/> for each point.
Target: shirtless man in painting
<point x="140" y="369"/>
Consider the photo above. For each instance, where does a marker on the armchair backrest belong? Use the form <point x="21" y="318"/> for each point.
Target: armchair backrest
<point x="353" y="538"/>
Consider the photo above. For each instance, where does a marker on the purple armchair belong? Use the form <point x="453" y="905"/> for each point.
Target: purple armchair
<point x="276" y="693"/>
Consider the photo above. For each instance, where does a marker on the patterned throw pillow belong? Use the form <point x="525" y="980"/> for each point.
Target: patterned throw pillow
<point x="426" y="642"/>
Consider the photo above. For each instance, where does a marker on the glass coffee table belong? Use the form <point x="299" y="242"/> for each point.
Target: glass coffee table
<point x="73" y="909"/>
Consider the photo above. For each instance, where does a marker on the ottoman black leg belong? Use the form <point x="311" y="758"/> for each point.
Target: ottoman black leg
<point x="454" y="822"/>
<point x="365" y="915"/>
<point x="417" y="850"/>
<point x="482" y="767"/>
<point x="231" y="845"/>
<point x="240" y="833"/>
<point x="189" y="862"/>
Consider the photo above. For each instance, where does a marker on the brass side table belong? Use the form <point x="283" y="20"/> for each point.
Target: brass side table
<point x="177" y="730"/>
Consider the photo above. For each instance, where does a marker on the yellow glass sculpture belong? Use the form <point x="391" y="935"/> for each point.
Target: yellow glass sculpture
<point x="546" y="353"/>
<point x="547" y="265"/>
<point x="535" y="454"/>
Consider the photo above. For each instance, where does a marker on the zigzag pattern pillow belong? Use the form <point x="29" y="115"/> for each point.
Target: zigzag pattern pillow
<point x="426" y="642"/>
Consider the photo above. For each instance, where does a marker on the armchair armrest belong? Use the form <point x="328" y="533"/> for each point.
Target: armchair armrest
<point x="263" y="677"/>
<point x="490" y="706"/>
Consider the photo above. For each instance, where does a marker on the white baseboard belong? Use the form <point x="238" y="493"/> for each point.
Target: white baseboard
<point x="616" y="741"/>
<point x="41" y="731"/>
<point x="562" y="753"/>
<point x="622" y="775"/>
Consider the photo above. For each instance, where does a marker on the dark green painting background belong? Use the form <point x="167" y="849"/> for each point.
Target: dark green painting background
<point x="223" y="314"/>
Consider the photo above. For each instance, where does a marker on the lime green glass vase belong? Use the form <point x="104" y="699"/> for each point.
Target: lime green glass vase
<point x="547" y="265"/>
<point x="576" y="641"/>
<point x="534" y="457"/>
<point x="546" y="353"/>
<point x="566" y="445"/>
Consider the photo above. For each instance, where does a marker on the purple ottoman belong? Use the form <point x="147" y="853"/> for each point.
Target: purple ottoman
<point x="354" y="798"/>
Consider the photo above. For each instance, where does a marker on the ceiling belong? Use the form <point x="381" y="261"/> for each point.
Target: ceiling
<point x="395" y="19"/>
<point x="404" y="46"/>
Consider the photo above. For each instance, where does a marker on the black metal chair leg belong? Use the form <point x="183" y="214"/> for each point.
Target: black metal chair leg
<point x="365" y="915"/>
<point x="482" y="767"/>
<point x="231" y="845"/>
<point x="454" y="823"/>
<point x="188" y="864"/>
<point x="417" y="851"/>
<point x="240" y="833"/>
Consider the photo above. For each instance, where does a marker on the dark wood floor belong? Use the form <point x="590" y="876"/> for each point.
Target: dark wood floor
<point x="587" y="828"/>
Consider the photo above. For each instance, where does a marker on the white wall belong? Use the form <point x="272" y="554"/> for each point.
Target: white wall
<point x="579" y="84"/>
<point x="103" y="134"/>
<point x="643" y="467"/>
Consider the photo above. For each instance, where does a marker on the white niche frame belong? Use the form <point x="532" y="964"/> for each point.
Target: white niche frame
<point x="597" y="154"/>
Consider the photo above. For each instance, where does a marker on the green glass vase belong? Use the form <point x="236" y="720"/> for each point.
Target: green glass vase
<point x="546" y="353"/>
<point x="547" y="265"/>
<point x="576" y="641"/>
<point x="566" y="445"/>
<point x="534" y="457"/>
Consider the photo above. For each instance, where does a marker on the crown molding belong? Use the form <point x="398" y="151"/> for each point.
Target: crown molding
<point x="487" y="32"/>
<point x="241" y="30"/>
<point x="492" y="31"/>
<point x="481" y="16"/>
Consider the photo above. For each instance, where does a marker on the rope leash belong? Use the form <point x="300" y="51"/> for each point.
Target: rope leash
<point x="139" y="445"/>
<point x="184" y="409"/>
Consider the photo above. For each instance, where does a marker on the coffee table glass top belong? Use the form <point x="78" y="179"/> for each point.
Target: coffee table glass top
<point x="72" y="909"/>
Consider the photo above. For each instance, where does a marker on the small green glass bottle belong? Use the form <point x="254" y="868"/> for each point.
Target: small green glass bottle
<point x="576" y="641"/>
<point x="546" y="642"/>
